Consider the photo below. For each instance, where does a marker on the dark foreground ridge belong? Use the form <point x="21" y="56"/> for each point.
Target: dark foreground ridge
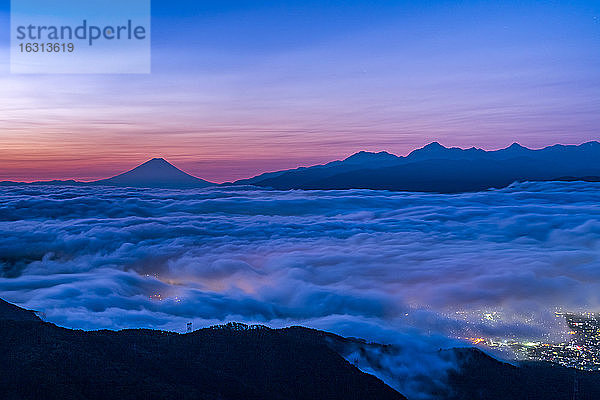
<point x="41" y="360"/>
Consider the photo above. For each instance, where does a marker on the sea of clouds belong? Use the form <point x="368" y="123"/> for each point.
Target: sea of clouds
<point x="385" y="266"/>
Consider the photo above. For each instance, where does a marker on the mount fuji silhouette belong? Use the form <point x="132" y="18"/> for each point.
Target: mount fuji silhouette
<point x="156" y="172"/>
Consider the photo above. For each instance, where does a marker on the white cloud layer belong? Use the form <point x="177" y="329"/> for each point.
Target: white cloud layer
<point x="379" y="265"/>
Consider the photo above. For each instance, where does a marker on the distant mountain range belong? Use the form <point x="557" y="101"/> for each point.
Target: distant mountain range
<point x="433" y="168"/>
<point x="235" y="361"/>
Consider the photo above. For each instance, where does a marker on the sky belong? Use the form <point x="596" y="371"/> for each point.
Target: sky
<point x="242" y="87"/>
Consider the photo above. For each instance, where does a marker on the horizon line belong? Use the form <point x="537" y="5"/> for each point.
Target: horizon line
<point x="165" y="158"/>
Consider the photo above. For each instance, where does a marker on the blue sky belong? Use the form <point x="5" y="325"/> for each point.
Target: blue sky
<point x="242" y="87"/>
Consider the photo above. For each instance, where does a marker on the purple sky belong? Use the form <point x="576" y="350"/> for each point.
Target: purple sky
<point x="242" y="87"/>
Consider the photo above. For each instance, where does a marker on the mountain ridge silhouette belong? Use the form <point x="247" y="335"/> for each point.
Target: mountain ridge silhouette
<point x="432" y="168"/>
<point x="435" y="168"/>
<point x="156" y="172"/>
<point x="235" y="361"/>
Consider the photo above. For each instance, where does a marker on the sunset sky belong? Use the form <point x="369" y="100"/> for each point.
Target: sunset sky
<point x="242" y="87"/>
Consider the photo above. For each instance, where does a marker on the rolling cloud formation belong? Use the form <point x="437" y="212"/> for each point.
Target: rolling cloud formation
<point x="378" y="265"/>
